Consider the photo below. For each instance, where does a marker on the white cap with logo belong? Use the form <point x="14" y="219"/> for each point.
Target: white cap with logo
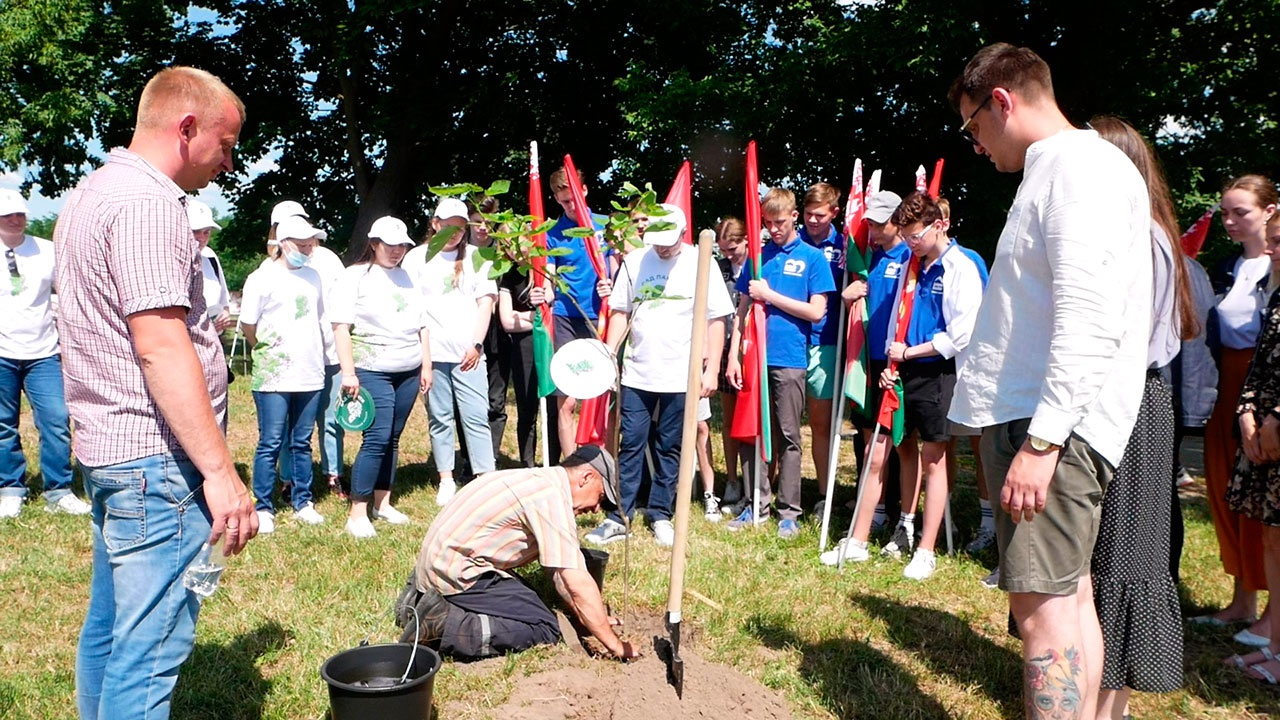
<point x="390" y="230"/>
<point x="200" y="215"/>
<point x="12" y="202"/>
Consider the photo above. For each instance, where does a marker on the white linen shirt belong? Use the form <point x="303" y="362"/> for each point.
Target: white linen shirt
<point x="1062" y="333"/>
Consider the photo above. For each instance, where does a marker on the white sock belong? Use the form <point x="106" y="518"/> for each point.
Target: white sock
<point x="908" y="521"/>
<point x="988" y="518"/>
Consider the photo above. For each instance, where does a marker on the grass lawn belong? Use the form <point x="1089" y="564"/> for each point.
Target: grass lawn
<point x="865" y="643"/>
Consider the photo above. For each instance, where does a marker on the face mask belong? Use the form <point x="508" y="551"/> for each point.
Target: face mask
<point x="296" y="259"/>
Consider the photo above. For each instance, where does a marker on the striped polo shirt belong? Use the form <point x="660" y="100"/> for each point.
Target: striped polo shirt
<point x="498" y="522"/>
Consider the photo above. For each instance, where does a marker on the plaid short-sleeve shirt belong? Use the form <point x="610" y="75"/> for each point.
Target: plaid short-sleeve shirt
<point x="498" y="522"/>
<point x="124" y="245"/>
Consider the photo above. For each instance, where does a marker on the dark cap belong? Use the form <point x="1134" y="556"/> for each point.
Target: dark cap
<point x="600" y="461"/>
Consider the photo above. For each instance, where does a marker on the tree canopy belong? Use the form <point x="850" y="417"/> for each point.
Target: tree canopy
<point x="364" y="105"/>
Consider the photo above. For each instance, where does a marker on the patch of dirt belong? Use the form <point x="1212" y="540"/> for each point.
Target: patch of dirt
<point x="583" y="688"/>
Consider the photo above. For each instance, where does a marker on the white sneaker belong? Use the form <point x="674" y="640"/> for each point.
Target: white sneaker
<point x="921" y="566"/>
<point x="854" y="551"/>
<point x="1184" y="478"/>
<point x="448" y="488"/>
<point x="360" y="528"/>
<point x="68" y="505"/>
<point x="607" y="532"/>
<point x="664" y="533"/>
<point x="308" y="515"/>
<point x="266" y="522"/>
<point x="10" y="506"/>
<point x="391" y="515"/>
<point x="711" y="506"/>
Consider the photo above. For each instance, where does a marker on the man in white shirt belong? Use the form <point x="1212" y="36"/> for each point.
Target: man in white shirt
<point x="31" y="363"/>
<point x="1054" y="369"/>
<point x="655" y="287"/>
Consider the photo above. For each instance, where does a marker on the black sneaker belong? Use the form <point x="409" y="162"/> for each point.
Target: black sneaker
<point x="899" y="545"/>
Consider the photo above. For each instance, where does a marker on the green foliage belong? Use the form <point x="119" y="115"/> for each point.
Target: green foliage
<point x="42" y="227"/>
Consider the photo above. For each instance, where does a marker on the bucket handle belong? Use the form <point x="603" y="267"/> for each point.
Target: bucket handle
<point x="416" y="629"/>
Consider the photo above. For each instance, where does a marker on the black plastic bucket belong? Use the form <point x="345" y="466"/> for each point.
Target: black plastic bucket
<point x="597" y="561"/>
<point x="364" y="682"/>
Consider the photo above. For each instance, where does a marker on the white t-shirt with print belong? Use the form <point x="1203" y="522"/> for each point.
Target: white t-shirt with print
<point x="384" y="311"/>
<point x="659" y="296"/>
<point x="27" y="327"/>
<point x="450" y="303"/>
<point x="327" y="263"/>
<point x="216" y="295"/>
<point x="287" y="309"/>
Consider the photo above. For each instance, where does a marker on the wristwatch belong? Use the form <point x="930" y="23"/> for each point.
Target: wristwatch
<point x="479" y="347"/>
<point x="1041" y="445"/>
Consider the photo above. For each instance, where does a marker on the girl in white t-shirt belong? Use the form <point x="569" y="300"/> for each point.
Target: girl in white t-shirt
<point x="459" y="303"/>
<point x="383" y="346"/>
<point x="282" y="316"/>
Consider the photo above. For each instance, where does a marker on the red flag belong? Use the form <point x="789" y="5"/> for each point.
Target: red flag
<point x="593" y="414"/>
<point x="855" y="230"/>
<point x="1193" y="239"/>
<point x="754" y="401"/>
<point x="891" y="402"/>
<point x="922" y="183"/>
<point x="543" y="327"/>
<point x="857" y="261"/>
<point x="681" y="195"/>
<point x="935" y="183"/>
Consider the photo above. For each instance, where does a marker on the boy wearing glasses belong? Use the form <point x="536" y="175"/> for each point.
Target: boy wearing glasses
<point x="31" y="363"/>
<point x="794" y="280"/>
<point x="947" y="296"/>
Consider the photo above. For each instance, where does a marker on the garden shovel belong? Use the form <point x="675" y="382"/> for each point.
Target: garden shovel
<point x="669" y="650"/>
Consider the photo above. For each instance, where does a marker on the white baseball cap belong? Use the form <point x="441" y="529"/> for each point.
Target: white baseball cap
<point x="670" y="236"/>
<point x="296" y="227"/>
<point x="287" y="208"/>
<point x="451" y="208"/>
<point x="200" y="215"/>
<point x="11" y="202"/>
<point x="390" y="230"/>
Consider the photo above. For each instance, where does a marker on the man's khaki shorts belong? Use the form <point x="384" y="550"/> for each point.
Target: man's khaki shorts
<point x="1052" y="552"/>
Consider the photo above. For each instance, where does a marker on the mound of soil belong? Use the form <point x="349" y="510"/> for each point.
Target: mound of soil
<point x="582" y="688"/>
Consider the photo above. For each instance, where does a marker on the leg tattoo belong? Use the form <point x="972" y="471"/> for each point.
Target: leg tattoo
<point x="1050" y="689"/>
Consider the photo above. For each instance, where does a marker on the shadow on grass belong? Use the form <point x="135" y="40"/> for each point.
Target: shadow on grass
<point x="1195" y="509"/>
<point x="852" y="678"/>
<point x="223" y="682"/>
<point x="949" y="646"/>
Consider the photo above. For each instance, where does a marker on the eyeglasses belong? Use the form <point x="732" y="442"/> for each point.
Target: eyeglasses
<point x="13" y="263"/>
<point x="916" y="237"/>
<point x="964" y="128"/>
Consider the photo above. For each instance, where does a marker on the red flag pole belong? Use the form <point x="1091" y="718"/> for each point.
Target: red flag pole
<point x="593" y="415"/>
<point x="681" y="195"/>
<point x="935" y="183"/>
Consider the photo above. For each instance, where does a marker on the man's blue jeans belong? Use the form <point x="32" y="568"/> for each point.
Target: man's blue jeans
<point x="149" y="521"/>
<point x="284" y="428"/>
<point x="41" y="380"/>
<point x="331" y="433"/>
<point x="643" y="411"/>
<point x="471" y="390"/>
<point x="393" y="394"/>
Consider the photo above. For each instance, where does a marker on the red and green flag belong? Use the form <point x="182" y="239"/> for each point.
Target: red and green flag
<point x="857" y="263"/>
<point x="751" y="417"/>
<point x="543" y="327"/>
<point x="891" y="413"/>
<point x="593" y="413"/>
<point x="1193" y="239"/>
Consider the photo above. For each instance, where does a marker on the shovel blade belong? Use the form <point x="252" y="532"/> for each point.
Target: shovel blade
<point x="669" y="650"/>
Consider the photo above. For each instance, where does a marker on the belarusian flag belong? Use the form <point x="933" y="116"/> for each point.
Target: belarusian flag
<point x="922" y="183"/>
<point x="891" y="412"/>
<point x="543" y="327"/>
<point x="935" y="182"/>
<point x="1193" y="239"/>
<point x="751" y="416"/>
<point x="857" y="259"/>
<point x="593" y="413"/>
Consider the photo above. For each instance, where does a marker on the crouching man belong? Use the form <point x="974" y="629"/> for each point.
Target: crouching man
<point x="467" y="601"/>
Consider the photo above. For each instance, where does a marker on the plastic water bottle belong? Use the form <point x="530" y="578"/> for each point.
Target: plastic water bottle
<point x="202" y="575"/>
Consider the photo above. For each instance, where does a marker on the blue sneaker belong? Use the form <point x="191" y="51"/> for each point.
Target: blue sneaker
<point x="746" y="519"/>
<point x="788" y="529"/>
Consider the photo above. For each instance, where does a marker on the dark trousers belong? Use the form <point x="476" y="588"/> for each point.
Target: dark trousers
<point x="497" y="615"/>
<point x="393" y="397"/>
<point x="497" y="356"/>
<point x="786" y="399"/>
<point x="661" y="415"/>
<point x="524" y="381"/>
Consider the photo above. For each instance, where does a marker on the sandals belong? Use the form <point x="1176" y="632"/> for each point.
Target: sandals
<point x="1239" y="661"/>
<point x="1259" y="672"/>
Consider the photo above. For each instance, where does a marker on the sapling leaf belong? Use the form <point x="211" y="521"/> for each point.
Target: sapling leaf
<point x="499" y="187"/>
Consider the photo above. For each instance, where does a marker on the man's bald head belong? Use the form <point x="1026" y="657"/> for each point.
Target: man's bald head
<point x="179" y="90"/>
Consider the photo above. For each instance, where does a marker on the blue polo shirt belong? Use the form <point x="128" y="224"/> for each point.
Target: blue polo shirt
<point x="946" y="304"/>
<point x="832" y="247"/>
<point x="798" y="271"/>
<point x="576" y="270"/>
<point x="882" y="288"/>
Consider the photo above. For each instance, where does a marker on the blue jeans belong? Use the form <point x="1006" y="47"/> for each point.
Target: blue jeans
<point x="393" y="395"/>
<point x="643" y="412"/>
<point x="149" y="521"/>
<point x="284" y="422"/>
<point x="331" y="433"/>
<point x="471" y="390"/>
<point x="41" y="380"/>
